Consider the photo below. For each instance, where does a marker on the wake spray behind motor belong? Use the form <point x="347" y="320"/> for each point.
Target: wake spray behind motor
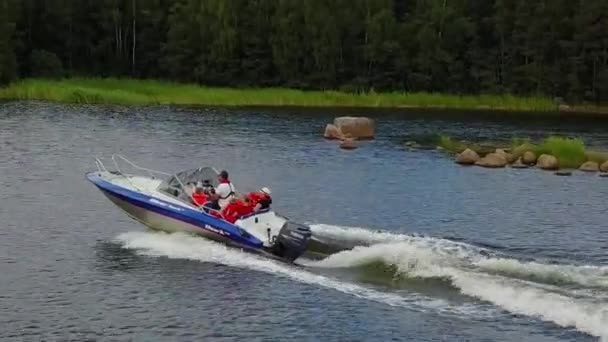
<point x="292" y="241"/>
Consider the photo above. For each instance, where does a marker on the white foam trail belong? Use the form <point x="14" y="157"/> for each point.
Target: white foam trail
<point x="510" y="294"/>
<point x="465" y="254"/>
<point x="357" y="234"/>
<point x="181" y="246"/>
<point x="591" y="276"/>
<point x="585" y="316"/>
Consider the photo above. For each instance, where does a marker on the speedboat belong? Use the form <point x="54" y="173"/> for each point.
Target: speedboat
<point x="160" y="201"/>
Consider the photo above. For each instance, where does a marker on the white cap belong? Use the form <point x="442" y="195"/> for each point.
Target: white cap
<point x="266" y="190"/>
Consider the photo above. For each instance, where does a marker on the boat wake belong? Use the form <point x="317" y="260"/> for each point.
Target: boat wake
<point x="188" y="247"/>
<point x="567" y="295"/>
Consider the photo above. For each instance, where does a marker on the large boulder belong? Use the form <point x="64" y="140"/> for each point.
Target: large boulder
<point x="590" y="166"/>
<point x="529" y="158"/>
<point x="332" y="132"/>
<point x="547" y="162"/>
<point x="467" y="157"/>
<point x="604" y="166"/>
<point x="493" y="160"/>
<point x="508" y="156"/>
<point x="356" y="127"/>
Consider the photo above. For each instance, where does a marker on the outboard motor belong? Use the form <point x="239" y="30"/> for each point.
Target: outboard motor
<point x="292" y="241"/>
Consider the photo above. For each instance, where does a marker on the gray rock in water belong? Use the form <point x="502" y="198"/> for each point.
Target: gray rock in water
<point x="492" y="160"/>
<point x="529" y="158"/>
<point x="605" y="174"/>
<point x="590" y="166"/>
<point x="348" y="144"/>
<point x="508" y="156"/>
<point x="356" y="127"/>
<point x="563" y="173"/>
<point x="519" y="164"/>
<point x="332" y="132"/>
<point x="467" y="157"/>
<point x="547" y="162"/>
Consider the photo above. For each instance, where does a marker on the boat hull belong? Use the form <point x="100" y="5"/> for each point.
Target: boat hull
<point x="161" y="222"/>
<point x="166" y="224"/>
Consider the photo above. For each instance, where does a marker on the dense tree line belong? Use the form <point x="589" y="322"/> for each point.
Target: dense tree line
<point x="541" y="47"/>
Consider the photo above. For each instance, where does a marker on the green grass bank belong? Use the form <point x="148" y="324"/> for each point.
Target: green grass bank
<point x="149" y="92"/>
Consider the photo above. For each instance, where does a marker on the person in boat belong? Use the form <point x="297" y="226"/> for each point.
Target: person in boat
<point x="206" y="186"/>
<point x="199" y="197"/>
<point x="212" y="205"/>
<point x="237" y="208"/>
<point x="225" y="189"/>
<point x="261" y="199"/>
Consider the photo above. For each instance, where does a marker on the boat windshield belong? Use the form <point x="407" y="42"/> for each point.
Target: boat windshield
<point x="174" y="185"/>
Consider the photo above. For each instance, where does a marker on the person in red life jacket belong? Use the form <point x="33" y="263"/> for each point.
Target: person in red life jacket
<point x="261" y="199"/>
<point x="230" y="211"/>
<point x="245" y="207"/>
<point x="237" y="208"/>
<point x="199" y="197"/>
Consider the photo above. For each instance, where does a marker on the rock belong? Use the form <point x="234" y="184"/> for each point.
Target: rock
<point x="348" y="144"/>
<point x="604" y="166"/>
<point x="492" y="160"/>
<point x="332" y="132"/>
<point x="357" y="127"/>
<point x="529" y="158"/>
<point x="519" y="164"/>
<point x="508" y="156"/>
<point x="564" y="108"/>
<point x="413" y="145"/>
<point x="604" y="175"/>
<point x="547" y="162"/>
<point x="590" y="166"/>
<point x="563" y="173"/>
<point x="467" y="157"/>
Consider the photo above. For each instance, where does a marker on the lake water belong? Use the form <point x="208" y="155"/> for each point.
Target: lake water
<point x="458" y="254"/>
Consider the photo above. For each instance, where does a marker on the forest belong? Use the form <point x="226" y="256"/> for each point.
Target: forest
<point x="556" y="48"/>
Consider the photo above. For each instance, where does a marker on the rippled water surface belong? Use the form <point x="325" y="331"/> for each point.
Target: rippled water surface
<point x="455" y="253"/>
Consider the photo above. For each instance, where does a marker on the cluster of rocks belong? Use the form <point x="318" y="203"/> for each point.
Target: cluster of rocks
<point x="348" y="129"/>
<point x="500" y="158"/>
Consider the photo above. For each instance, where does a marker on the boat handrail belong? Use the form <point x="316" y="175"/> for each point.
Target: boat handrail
<point x="100" y="166"/>
<point x="150" y="172"/>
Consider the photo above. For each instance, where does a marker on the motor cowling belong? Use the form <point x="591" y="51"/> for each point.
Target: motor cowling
<point x="292" y="241"/>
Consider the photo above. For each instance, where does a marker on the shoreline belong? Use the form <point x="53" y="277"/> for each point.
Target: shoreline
<point x="131" y="92"/>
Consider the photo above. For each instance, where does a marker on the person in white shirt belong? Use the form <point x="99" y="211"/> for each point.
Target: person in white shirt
<point x="225" y="189"/>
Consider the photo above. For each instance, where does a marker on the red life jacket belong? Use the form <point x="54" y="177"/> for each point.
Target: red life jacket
<point x="231" y="212"/>
<point x="244" y="209"/>
<point x="234" y="210"/>
<point x="199" y="199"/>
<point x="256" y="197"/>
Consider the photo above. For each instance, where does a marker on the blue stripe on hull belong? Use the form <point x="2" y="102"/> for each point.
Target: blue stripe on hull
<point x="222" y="230"/>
